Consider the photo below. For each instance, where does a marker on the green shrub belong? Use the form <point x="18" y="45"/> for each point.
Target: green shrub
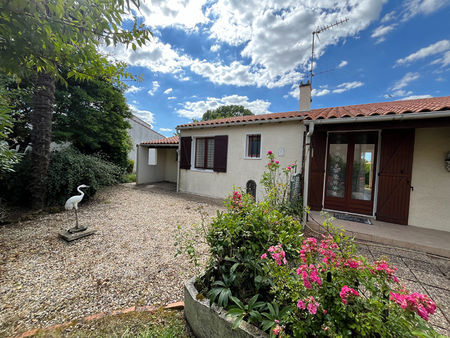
<point x="67" y="170"/>
<point x="130" y="166"/>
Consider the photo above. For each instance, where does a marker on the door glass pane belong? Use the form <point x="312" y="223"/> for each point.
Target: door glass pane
<point x="362" y="177"/>
<point x="337" y="162"/>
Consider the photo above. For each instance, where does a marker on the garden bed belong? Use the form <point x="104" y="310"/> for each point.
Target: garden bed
<point x="208" y="320"/>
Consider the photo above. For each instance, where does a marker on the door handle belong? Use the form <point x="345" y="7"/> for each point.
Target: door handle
<point x="410" y="186"/>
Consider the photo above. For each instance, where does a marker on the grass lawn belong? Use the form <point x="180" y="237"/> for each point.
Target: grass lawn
<point x="161" y="323"/>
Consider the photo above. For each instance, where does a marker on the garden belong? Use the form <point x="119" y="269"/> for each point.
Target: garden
<point x="264" y="271"/>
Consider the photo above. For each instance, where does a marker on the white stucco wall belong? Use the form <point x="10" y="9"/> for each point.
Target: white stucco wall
<point x="140" y="132"/>
<point x="164" y="170"/>
<point x="430" y="199"/>
<point x="274" y="136"/>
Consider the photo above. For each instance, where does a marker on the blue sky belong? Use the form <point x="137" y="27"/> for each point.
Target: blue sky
<point x="205" y="54"/>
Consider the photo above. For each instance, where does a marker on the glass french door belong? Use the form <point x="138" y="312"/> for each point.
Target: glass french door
<point x="350" y="172"/>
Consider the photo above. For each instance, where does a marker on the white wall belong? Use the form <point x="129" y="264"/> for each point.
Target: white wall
<point x="287" y="135"/>
<point x="164" y="170"/>
<point x="140" y="132"/>
<point x="430" y="199"/>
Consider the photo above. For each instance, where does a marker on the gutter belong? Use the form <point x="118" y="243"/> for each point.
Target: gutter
<point x="300" y="118"/>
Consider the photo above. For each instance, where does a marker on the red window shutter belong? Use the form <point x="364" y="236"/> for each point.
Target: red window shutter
<point x="185" y="156"/>
<point x="220" y="153"/>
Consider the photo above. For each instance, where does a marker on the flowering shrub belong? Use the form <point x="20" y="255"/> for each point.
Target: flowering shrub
<point x="333" y="292"/>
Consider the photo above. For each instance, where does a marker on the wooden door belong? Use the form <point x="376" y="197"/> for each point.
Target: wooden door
<point x="394" y="185"/>
<point x="351" y="168"/>
<point x="317" y="169"/>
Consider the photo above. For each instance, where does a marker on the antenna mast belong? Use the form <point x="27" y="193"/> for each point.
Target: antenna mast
<point x="317" y="32"/>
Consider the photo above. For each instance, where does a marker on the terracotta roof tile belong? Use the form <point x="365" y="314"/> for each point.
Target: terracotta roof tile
<point x="360" y="110"/>
<point x="165" y="140"/>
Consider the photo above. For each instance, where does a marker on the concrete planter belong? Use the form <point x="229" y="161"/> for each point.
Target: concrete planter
<point x="206" y="321"/>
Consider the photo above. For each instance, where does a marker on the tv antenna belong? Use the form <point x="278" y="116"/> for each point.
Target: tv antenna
<point x="317" y="32"/>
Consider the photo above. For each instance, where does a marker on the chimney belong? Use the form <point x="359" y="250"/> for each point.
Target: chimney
<point x="305" y="96"/>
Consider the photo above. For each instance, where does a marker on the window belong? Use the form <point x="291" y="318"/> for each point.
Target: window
<point x="204" y="153"/>
<point x="254" y="146"/>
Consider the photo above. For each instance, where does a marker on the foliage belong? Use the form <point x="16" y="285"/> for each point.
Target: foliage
<point x="39" y="38"/>
<point x="93" y="117"/>
<point x="225" y="111"/>
<point x="333" y="292"/>
<point x="129" y="178"/>
<point x="68" y="169"/>
<point x="277" y="184"/>
<point x="130" y="166"/>
<point x="8" y="157"/>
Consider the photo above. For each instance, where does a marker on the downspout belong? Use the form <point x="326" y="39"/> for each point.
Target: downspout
<point x="178" y="161"/>
<point x="306" y="172"/>
<point x="137" y="163"/>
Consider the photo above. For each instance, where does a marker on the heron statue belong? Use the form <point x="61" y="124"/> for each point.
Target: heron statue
<point x="72" y="203"/>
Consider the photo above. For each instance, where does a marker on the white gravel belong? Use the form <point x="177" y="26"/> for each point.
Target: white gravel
<point x="129" y="261"/>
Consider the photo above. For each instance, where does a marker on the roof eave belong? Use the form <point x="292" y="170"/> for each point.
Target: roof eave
<point x="231" y="124"/>
<point x="376" y="118"/>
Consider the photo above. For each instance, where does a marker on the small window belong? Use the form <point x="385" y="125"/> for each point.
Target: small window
<point x="254" y="146"/>
<point x="152" y="156"/>
<point x="204" y="153"/>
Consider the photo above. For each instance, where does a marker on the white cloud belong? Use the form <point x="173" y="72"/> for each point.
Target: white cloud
<point x="171" y="98"/>
<point x="444" y="60"/>
<point x="343" y="64"/>
<point x="433" y="49"/>
<point x="415" y="7"/>
<point x="145" y="115"/>
<point x="415" y="97"/>
<point x="198" y="108"/>
<point x="388" y="17"/>
<point x="215" y="48"/>
<point x="133" y="89"/>
<point x="275" y="51"/>
<point x="380" y="32"/>
<point x="181" y="13"/>
<point x="168" y="91"/>
<point x="405" y="81"/>
<point x="320" y="92"/>
<point x="155" y="87"/>
<point x="343" y="87"/>
<point x="167" y="130"/>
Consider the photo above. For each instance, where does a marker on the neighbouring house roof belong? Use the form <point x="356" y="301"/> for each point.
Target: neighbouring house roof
<point x="361" y="110"/>
<point x="163" y="141"/>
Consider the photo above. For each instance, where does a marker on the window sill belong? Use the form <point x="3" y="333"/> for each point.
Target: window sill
<point x="252" y="158"/>
<point x="203" y="170"/>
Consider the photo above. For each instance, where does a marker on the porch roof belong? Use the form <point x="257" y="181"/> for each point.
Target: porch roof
<point x="434" y="104"/>
<point x="166" y="141"/>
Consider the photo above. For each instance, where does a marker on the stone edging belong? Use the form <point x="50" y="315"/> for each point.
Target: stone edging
<point x="172" y="306"/>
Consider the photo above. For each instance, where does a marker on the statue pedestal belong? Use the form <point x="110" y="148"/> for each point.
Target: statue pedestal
<point x="71" y="235"/>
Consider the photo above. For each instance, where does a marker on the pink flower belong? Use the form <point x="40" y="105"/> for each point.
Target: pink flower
<point x="264" y="256"/>
<point x="415" y="302"/>
<point x="347" y="292"/>
<point x="325" y="312"/>
<point x="276" y="330"/>
<point x="277" y="321"/>
<point x="312" y="308"/>
<point x="288" y="168"/>
<point x="301" y="305"/>
<point x="277" y="162"/>
<point x="269" y="152"/>
<point x="278" y="254"/>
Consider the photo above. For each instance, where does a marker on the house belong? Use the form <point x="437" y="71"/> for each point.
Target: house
<point x="382" y="160"/>
<point x="139" y="132"/>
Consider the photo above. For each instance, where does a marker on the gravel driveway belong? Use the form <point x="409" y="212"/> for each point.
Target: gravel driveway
<point x="129" y="261"/>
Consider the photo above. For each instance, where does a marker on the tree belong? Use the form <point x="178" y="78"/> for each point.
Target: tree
<point x="93" y="117"/>
<point x="226" y="111"/>
<point x="38" y="36"/>
<point x="8" y="157"/>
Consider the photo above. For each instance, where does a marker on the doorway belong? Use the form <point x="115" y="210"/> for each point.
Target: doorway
<point x="351" y="171"/>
